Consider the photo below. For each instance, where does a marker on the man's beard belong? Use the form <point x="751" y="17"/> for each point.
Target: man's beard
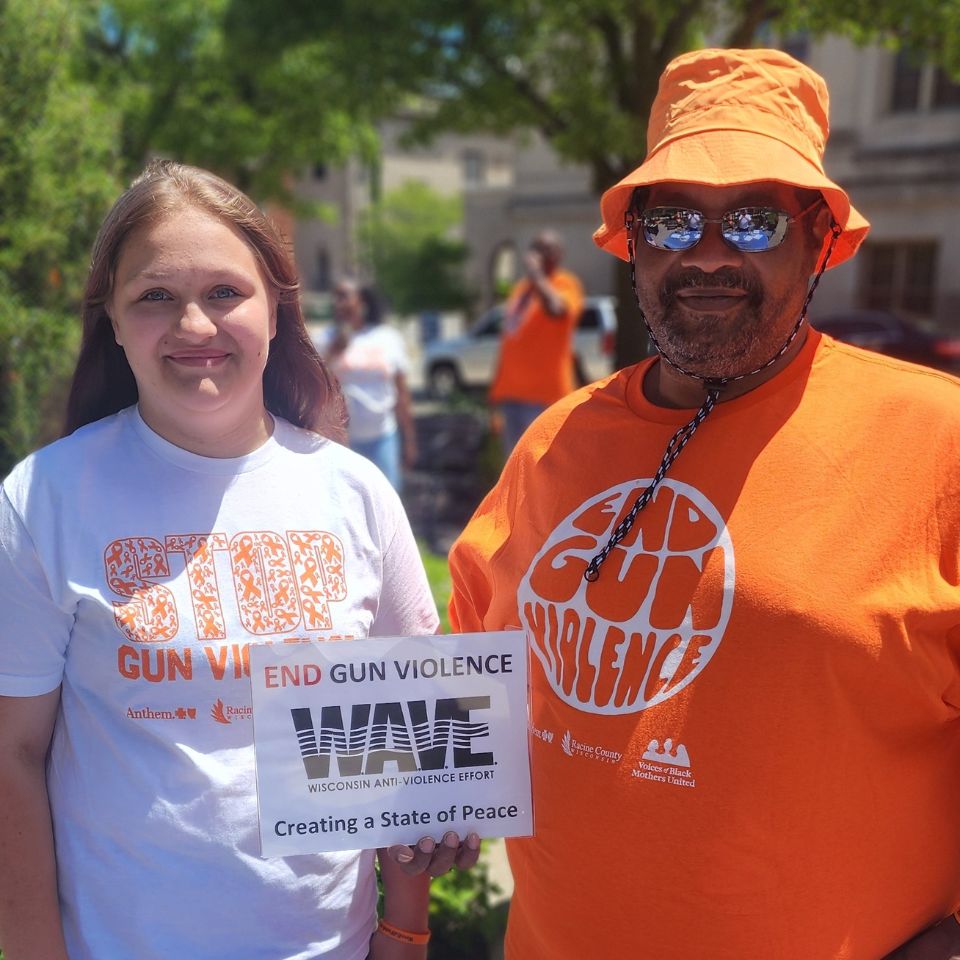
<point x="725" y="344"/>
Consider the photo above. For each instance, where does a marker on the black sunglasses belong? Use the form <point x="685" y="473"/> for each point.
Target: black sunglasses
<point x="747" y="229"/>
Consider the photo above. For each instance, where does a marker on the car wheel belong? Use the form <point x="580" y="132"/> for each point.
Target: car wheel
<point x="444" y="381"/>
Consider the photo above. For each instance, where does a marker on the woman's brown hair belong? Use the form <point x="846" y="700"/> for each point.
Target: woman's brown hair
<point x="296" y="383"/>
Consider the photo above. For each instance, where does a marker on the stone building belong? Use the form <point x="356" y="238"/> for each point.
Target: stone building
<point x="894" y="144"/>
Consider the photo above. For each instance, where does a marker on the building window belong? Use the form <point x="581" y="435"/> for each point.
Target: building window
<point x="900" y="277"/>
<point x="905" y="96"/>
<point x="946" y="91"/>
<point x="474" y="168"/>
<point x="919" y="86"/>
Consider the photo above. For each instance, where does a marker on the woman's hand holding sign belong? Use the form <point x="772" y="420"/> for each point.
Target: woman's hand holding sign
<point x="435" y="859"/>
<point x="414" y="748"/>
<point x="406" y="872"/>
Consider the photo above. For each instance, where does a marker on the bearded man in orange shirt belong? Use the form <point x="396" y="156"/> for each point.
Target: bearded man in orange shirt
<point x="738" y="567"/>
<point x="535" y="367"/>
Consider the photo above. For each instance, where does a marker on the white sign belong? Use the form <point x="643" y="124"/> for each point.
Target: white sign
<point x="366" y="743"/>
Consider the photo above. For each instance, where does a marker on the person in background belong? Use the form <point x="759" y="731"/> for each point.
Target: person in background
<point x="370" y="361"/>
<point x="195" y="505"/>
<point x="535" y="367"/>
<point x="738" y="567"/>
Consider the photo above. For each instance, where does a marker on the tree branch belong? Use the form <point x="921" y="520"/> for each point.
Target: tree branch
<point x="620" y="72"/>
<point x="551" y="123"/>
<point x="674" y="33"/>
<point x="755" y="13"/>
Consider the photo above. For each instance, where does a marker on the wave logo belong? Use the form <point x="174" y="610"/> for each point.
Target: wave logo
<point x="653" y="620"/>
<point x="567" y="744"/>
<point x="218" y="713"/>
<point x="382" y="733"/>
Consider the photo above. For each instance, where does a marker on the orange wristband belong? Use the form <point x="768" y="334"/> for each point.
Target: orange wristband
<point x="403" y="936"/>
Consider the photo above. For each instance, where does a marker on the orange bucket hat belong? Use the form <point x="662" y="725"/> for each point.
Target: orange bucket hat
<point x="729" y="117"/>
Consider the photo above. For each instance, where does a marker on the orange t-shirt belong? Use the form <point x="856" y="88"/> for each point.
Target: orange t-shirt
<point x="746" y="733"/>
<point x="536" y="355"/>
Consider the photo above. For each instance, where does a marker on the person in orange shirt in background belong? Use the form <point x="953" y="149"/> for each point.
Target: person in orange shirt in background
<point x="536" y="351"/>
<point x="737" y="564"/>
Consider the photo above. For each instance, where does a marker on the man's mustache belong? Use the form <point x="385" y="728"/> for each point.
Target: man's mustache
<point x="692" y="278"/>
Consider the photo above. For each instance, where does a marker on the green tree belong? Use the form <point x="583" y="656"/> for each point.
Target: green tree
<point x="57" y="154"/>
<point x="183" y="92"/>
<point x="581" y="72"/>
<point x="406" y="240"/>
<point x="90" y="90"/>
<point x="57" y="177"/>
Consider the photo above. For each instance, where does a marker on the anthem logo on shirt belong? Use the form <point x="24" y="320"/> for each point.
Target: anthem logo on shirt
<point x="148" y="713"/>
<point x="541" y="733"/>
<point x="655" y="617"/>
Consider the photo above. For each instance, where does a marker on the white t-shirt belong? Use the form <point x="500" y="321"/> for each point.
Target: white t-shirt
<point x="135" y="574"/>
<point x="367" y="369"/>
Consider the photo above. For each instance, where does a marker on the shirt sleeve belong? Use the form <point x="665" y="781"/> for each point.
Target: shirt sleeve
<point x="471" y="594"/>
<point x="34" y="630"/>
<point x="473" y="557"/>
<point x="407" y="607"/>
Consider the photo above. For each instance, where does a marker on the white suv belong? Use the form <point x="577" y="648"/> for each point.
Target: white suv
<point x="468" y="361"/>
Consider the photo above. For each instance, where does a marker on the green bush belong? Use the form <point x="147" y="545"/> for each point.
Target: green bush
<point x="465" y="923"/>
<point x="37" y="353"/>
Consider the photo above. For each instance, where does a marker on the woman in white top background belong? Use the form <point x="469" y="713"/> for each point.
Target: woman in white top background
<point x="197" y="504"/>
<point x="370" y="361"/>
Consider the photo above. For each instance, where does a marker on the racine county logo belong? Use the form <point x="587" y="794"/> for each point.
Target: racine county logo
<point x="225" y="713"/>
<point x="577" y="748"/>
<point x="656" y="616"/>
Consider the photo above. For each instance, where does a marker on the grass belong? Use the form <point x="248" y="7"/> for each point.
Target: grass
<point x="438" y="576"/>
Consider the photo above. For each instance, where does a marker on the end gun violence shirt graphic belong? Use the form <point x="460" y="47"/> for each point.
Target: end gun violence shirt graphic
<point x="356" y="748"/>
<point x="269" y="583"/>
<point x="655" y="617"/>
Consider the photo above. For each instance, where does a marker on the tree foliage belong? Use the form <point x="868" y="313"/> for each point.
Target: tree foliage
<point x="407" y="242"/>
<point x="182" y="91"/>
<point x="91" y="90"/>
<point x="583" y="73"/>
<point x="57" y="154"/>
<point x="58" y="165"/>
